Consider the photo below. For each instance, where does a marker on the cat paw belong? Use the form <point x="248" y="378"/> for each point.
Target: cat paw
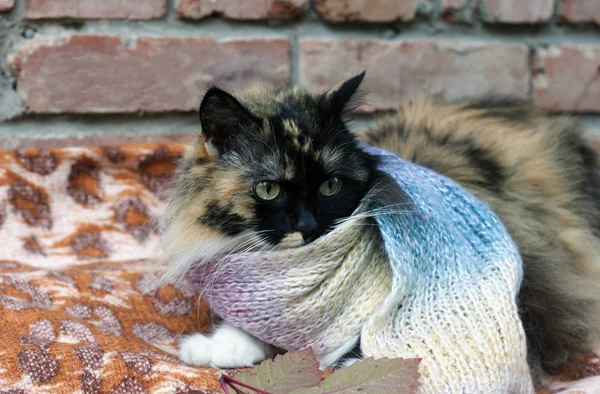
<point x="196" y="350"/>
<point x="234" y="351"/>
<point x="225" y="349"/>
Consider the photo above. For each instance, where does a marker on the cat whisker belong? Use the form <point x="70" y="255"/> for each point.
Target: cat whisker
<point x="179" y="269"/>
<point x="373" y="214"/>
<point x="236" y="248"/>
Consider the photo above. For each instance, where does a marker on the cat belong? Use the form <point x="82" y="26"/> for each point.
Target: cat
<point x="278" y="167"/>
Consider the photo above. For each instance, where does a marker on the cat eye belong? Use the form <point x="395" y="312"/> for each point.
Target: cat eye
<point x="267" y="190"/>
<point x="330" y="187"/>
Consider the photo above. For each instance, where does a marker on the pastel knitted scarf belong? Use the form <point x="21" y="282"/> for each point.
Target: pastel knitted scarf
<point x="436" y="279"/>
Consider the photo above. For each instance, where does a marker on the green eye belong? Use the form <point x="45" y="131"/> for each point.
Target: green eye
<point x="267" y="190"/>
<point x="330" y="187"/>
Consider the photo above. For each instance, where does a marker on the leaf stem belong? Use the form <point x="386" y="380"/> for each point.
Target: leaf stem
<point x="238" y="391"/>
<point x="224" y="384"/>
<point x="226" y="380"/>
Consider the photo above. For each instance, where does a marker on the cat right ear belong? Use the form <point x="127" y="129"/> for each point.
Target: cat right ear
<point x="222" y="117"/>
<point x="339" y="99"/>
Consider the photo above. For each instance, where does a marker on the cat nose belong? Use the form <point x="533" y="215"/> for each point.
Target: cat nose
<point x="306" y="223"/>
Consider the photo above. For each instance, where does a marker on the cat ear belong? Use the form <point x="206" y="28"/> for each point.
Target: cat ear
<point x="222" y="118"/>
<point x="338" y="99"/>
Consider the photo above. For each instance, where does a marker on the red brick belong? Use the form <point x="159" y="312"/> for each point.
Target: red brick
<point x="108" y="74"/>
<point x="91" y="9"/>
<point x="366" y="10"/>
<point x="567" y="78"/>
<point x="6" y="5"/>
<point x="517" y="11"/>
<point x="400" y="70"/>
<point x="580" y="11"/>
<point x="246" y="9"/>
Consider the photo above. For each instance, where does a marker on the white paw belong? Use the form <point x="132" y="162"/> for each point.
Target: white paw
<point x="227" y="348"/>
<point x="196" y="350"/>
<point x="232" y="351"/>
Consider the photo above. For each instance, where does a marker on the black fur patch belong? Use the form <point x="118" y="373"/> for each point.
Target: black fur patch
<point x="507" y="108"/>
<point x="222" y="218"/>
<point x="482" y="160"/>
<point x="548" y="318"/>
<point x="491" y="170"/>
<point x="590" y="185"/>
<point x="202" y="161"/>
<point x="355" y="353"/>
<point x="378" y="134"/>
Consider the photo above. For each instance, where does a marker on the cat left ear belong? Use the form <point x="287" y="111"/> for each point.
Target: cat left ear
<point x="222" y="118"/>
<point x="338" y="98"/>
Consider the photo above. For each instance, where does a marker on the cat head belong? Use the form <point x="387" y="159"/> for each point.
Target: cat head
<point x="273" y="167"/>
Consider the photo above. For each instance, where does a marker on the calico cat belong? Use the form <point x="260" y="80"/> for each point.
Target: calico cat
<point x="278" y="167"/>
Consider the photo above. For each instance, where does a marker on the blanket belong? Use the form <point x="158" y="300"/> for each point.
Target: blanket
<point x="79" y="307"/>
<point x="80" y="310"/>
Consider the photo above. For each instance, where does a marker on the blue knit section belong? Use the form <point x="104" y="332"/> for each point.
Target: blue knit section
<point x="446" y="228"/>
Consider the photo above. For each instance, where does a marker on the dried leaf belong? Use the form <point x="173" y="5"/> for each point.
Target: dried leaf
<point x="371" y="376"/>
<point x="298" y="373"/>
<point x="285" y="373"/>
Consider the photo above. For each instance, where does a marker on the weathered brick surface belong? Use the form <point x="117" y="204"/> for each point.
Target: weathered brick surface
<point x="6" y="5"/>
<point x="397" y="71"/>
<point x="517" y="11"/>
<point x="246" y="9"/>
<point x="579" y="11"/>
<point x="108" y="74"/>
<point x="90" y="9"/>
<point x="456" y="10"/>
<point x="453" y="4"/>
<point x="567" y="78"/>
<point x="366" y="10"/>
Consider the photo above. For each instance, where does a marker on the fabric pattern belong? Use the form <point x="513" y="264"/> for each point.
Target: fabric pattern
<point x="79" y="308"/>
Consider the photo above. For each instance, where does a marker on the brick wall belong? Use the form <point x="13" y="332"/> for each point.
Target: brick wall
<point x="109" y="71"/>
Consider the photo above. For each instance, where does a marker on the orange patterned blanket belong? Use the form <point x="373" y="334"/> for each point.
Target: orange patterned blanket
<point x="79" y="307"/>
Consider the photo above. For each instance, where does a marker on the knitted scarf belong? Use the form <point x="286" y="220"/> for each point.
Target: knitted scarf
<point x="436" y="279"/>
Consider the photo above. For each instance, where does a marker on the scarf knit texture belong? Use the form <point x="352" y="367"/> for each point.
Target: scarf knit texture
<point x="435" y="279"/>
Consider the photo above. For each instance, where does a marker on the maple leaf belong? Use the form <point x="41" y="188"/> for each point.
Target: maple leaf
<point x="299" y="373"/>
